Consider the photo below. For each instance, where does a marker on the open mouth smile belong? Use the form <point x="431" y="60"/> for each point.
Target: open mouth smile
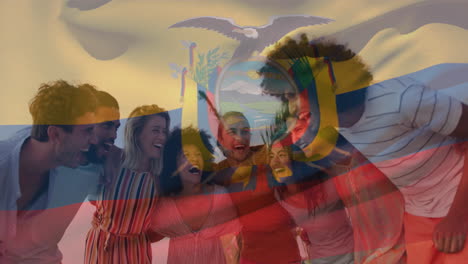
<point x="240" y="147"/>
<point x="158" y="146"/>
<point x="107" y="146"/>
<point x="194" y="170"/>
<point x="84" y="150"/>
<point x="279" y="170"/>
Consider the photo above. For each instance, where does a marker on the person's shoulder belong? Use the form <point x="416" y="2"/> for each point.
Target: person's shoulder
<point x="387" y="96"/>
<point x="5" y="154"/>
<point x="8" y="145"/>
<point x="394" y="85"/>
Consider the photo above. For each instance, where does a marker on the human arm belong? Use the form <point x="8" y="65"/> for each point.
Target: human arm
<point x="229" y="225"/>
<point x="432" y="110"/>
<point x="232" y="244"/>
<point x="112" y="164"/>
<point x="449" y="235"/>
<point x="461" y="130"/>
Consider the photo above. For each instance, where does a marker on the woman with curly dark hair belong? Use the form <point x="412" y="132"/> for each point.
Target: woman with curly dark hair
<point x="199" y="218"/>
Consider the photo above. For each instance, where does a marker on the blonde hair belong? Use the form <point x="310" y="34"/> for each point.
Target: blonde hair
<point x="137" y="119"/>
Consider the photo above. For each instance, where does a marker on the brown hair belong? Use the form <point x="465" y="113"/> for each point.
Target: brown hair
<point x="106" y="100"/>
<point x="59" y="103"/>
<point x="297" y="50"/>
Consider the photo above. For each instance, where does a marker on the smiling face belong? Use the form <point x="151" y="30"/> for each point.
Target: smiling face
<point x="71" y="147"/>
<point x="235" y="138"/>
<point x="280" y="162"/>
<point x="190" y="164"/>
<point x="153" y="137"/>
<point x="108" y="122"/>
<point x="299" y="125"/>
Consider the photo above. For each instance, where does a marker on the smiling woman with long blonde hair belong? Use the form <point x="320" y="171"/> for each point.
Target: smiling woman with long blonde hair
<point x="125" y="205"/>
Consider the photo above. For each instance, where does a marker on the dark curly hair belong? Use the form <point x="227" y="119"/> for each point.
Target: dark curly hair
<point x="297" y="50"/>
<point x="170" y="182"/>
<point x="60" y="103"/>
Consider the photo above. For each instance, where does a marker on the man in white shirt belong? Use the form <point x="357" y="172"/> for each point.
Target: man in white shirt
<point x="63" y="123"/>
<point x="409" y="132"/>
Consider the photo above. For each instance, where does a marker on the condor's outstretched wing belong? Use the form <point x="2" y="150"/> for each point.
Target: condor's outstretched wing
<point x="279" y="26"/>
<point x="218" y="24"/>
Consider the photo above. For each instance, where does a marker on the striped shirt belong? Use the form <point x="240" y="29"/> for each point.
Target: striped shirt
<point x="123" y="215"/>
<point x="404" y="131"/>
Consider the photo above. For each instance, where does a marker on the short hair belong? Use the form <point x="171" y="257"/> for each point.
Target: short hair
<point x="170" y="180"/>
<point x="106" y="100"/>
<point x="233" y="113"/>
<point x="133" y="128"/>
<point x="226" y="116"/>
<point x="60" y="103"/>
<point x="292" y="49"/>
<point x="103" y="98"/>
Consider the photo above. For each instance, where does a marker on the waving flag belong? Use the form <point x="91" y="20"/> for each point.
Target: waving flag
<point x="123" y="47"/>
